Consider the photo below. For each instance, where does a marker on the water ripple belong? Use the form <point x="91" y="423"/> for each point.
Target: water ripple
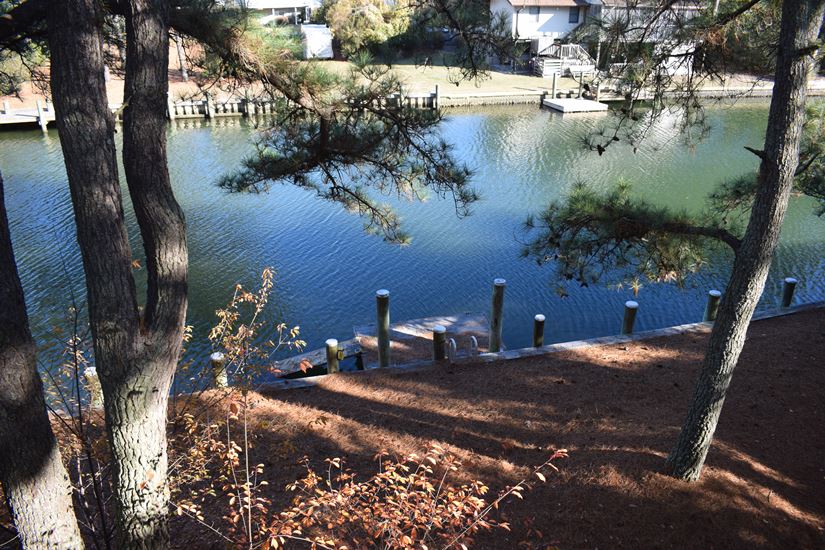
<point x="328" y="269"/>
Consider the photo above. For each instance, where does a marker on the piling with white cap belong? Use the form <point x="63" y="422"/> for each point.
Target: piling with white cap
<point x="332" y="356"/>
<point x="219" y="374"/>
<point x="94" y="387"/>
<point x="382" y="302"/>
<point x="630" y="309"/>
<point x="712" y="307"/>
<point x="538" y="331"/>
<point x="788" y="288"/>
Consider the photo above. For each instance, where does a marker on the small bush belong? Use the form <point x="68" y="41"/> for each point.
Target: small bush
<point x="406" y="505"/>
<point x="409" y="503"/>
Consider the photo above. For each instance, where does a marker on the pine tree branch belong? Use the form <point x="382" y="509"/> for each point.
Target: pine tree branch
<point x="21" y="22"/>
<point x="703" y="231"/>
<point x="758" y="152"/>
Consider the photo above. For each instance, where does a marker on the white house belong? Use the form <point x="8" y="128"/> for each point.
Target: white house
<point x="550" y="19"/>
<point x="294" y="11"/>
<point x="637" y="15"/>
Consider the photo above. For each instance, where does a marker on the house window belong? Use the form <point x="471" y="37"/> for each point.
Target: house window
<point x="535" y="11"/>
<point x="573" y="16"/>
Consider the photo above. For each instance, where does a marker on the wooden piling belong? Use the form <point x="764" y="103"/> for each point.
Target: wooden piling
<point x="538" y="331"/>
<point x="581" y="83"/>
<point x="439" y="343"/>
<point x="382" y="302"/>
<point x="437" y="97"/>
<point x="553" y="93"/>
<point x="630" y="309"/>
<point x="210" y="112"/>
<point x="712" y="307"/>
<point x="218" y="362"/>
<point x="93" y="387"/>
<point x="332" y="356"/>
<point x="170" y="106"/>
<point x="41" y="117"/>
<point x="788" y="287"/>
<point x="496" y="317"/>
<point x="6" y="108"/>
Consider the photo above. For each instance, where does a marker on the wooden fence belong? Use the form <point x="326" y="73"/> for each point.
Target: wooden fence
<point x="210" y="108"/>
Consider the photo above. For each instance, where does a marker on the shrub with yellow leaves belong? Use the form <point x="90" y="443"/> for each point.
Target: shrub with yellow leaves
<point x="406" y="505"/>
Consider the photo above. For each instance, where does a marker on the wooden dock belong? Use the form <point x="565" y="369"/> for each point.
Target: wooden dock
<point x="313" y="359"/>
<point x="40" y="115"/>
<point x="412" y="341"/>
<point x="574" y="105"/>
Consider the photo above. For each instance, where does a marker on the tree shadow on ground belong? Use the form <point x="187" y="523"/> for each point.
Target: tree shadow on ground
<point x="618" y="410"/>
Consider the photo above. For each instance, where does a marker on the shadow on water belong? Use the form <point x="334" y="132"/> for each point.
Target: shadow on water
<point x="328" y="269"/>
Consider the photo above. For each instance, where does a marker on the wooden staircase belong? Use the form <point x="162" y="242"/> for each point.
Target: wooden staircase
<point x="562" y="59"/>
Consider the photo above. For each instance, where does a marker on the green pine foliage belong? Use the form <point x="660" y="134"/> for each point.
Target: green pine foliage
<point x="591" y="236"/>
<point x="614" y="236"/>
<point x="360" y="143"/>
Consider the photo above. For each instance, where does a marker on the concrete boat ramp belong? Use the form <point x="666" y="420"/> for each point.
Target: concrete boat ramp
<point x="574" y="105"/>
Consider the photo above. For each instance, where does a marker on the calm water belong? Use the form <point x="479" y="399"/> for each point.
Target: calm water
<point x="328" y="269"/>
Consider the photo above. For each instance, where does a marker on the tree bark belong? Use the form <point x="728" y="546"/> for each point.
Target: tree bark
<point x="801" y="22"/>
<point x="35" y="482"/>
<point x="135" y="357"/>
<point x="139" y="436"/>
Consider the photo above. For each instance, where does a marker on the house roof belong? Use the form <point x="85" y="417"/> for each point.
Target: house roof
<point x="683" y="5"/>
<point x="281" y="4"/>
<point x="548" y="3"/>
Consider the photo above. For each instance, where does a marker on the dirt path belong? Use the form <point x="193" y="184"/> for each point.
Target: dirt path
<point x="618" y="410"/>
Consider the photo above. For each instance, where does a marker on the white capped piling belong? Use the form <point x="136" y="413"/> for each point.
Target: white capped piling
<point x="496" y="320"/>
<point x="170" y="106"/>
<point x="712" y="307"/>
<point x="94" y="388"/>
<point x="210" y="107"/>
<point x="452" y="350"/>
<point x="538" y="331"/>
<point x="41" y="117"/>
<point x="6" y="108"/>
<point x="630" y="309"/>
<point x="332" y="356"/>
<point x="382" y="303"/>
<point x="439" y="343"/>
<point x="218" y="362"/>
<point x="788" y="287"/>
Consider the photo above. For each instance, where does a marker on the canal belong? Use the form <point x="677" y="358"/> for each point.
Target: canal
<point x="328" y="268"/>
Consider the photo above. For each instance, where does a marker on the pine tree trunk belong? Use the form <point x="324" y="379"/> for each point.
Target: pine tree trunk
<point x="801" y="22"/>
<point x="34" y="478"/>
<point x="136" y="358"/>
<point x="139" y="440"/>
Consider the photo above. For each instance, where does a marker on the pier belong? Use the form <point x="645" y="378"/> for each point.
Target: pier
<point x="574" y="105"/>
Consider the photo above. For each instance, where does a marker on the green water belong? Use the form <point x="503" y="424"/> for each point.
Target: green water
<point x="328" y="269"/>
